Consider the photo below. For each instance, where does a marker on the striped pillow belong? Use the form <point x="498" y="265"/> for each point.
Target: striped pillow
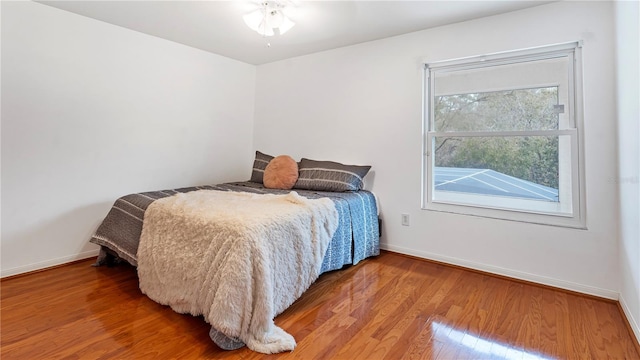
<point x="330" y="176"/>
<point x="259" y="164"/>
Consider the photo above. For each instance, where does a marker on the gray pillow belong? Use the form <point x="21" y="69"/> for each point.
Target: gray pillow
<point x="259" y="164"/>
<point x="330" y="176"/>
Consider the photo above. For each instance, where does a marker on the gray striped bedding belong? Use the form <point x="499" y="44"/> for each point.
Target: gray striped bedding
<point x="356" y="238"/>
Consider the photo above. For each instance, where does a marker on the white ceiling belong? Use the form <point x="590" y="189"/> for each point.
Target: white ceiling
<point x="217" y="26"/>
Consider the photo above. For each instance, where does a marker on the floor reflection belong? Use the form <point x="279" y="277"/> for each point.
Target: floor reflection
<point x="482" y="347"/>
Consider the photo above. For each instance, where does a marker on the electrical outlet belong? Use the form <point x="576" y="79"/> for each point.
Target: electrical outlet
<point x="406" y="220"/>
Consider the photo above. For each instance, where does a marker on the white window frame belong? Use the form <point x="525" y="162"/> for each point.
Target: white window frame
<point x="567" y="215"/>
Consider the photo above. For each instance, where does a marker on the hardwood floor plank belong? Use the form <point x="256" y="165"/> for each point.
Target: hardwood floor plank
<point x="330" y="331"/>
<point x="548" y="324"/>
<point x="528" y="336"/>
<point x="389" y="307"/>
<point x="563" y="330"/>
<point x="594" y="334"/>
<point x="423" y="346"/>
<point x="577" y="330"/>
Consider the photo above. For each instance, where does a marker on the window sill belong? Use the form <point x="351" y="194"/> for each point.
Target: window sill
<point x="508" y="215"/>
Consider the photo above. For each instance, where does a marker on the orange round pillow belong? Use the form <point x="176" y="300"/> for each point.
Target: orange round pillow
<point x="281" y="173"/>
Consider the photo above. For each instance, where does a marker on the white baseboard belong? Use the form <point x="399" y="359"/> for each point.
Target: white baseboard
<point x="632" y="321"/>
<point x="48" y="263"/>
<point x="562" y="284"/>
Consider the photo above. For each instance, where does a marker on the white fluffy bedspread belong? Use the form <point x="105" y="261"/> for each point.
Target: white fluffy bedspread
<point x="239" y="259"/>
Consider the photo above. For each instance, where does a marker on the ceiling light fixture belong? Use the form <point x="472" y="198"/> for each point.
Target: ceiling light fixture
<point x="269" y="17"/>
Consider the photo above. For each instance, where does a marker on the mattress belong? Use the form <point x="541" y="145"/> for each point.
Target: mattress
<point x="356" y="238"/>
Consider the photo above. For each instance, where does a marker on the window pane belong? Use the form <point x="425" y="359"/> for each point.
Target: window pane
<point x="512" y="110"/>
<point x="524" y="167"/>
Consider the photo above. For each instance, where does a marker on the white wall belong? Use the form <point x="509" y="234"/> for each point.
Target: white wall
<point x="362" y="104"/>
<point x="628" y="178"/>
<point x="92" y="111"/>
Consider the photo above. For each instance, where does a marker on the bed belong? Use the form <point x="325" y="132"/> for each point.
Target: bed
<point x="239" y="288"/>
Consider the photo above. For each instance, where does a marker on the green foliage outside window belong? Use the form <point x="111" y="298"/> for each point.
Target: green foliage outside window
<point x="532" y="158"/>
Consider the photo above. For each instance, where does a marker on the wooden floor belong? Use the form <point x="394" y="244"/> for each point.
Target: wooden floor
<point x="389" y="307"/>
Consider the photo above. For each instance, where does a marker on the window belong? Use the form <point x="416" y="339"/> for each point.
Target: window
<point x="502" y="136"/>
